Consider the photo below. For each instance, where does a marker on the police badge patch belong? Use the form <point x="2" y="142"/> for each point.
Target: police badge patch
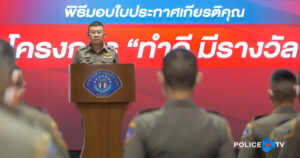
<point x="102" y="83"/>
<point x="131" y="131"/>
<point x="247" y="131"/>
<point x="291" y="130"/>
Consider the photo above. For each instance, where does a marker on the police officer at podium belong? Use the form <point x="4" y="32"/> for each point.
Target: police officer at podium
<point x="97" y="52"/>
<point x="180" y="129"/>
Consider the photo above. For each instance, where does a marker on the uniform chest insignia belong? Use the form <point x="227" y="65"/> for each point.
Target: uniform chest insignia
<point x="87" y="55"/>
<point x="107" y="55"/>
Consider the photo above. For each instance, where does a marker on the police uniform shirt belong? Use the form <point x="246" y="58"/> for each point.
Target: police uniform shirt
<point x="292" y="147"/>
<point x="86" y="55"/>
<point x="261" y="128"/>
<point x="39" y="117"/>
<point x="280" y="134"/>
<point x="18" y="139"/>
<point x="178" y="130"/>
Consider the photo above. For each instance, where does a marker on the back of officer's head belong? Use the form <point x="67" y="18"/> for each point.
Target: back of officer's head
<point x="180" y="69"/>
<point x="282" y="85"/>
<point x="7" y="64"/>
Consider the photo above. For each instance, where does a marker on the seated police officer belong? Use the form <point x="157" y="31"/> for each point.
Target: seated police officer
<point x="180" y="129"/>
<point x="18" y="138"/>
<point x="36" y="115"/>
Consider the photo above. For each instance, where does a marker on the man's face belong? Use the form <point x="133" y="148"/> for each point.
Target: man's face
<point x="96" y="34"/>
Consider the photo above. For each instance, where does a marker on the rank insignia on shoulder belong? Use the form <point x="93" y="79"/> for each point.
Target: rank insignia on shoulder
<point x="131" y="131"/>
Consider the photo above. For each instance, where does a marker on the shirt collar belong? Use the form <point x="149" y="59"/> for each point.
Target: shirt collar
<point x="180" y="103"/>
<point x="285" y="109"/>
<point x="103" y="48"/>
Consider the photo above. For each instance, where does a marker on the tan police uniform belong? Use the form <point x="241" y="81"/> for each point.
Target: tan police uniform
<point x="280" y="134"/>
<point x="261" y="128"/>
<point x="19" y="139"/>
<point x="292" y="147"/>
<point x="86" y="55"/>
<point x="178" y="130"/>
<point x="41" y="118"/>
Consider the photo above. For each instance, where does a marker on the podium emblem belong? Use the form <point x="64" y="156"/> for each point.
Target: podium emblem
<point x="102" y="83"/>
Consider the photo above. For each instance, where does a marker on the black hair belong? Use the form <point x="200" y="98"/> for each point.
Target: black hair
<point x="180" y="69"/>
<point x="7" y="55"/>
<point x="282" y="82"/>
<point x="95" y="23"/>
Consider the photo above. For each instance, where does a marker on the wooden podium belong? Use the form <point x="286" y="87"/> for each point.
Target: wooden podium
<point x="102" y="94"/>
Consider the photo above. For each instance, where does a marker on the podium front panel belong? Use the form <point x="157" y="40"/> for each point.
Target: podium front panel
<point x="101" y="83"/>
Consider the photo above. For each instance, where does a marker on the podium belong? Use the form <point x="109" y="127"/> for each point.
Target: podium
<point x="102" y="94"/>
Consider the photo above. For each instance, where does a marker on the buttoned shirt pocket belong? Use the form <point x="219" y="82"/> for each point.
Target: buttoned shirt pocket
<point x="107" y="59"/>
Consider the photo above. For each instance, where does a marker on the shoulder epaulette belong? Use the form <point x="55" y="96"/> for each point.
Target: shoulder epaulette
<point x="35" y="107"/>
<point x="214" y="112"/>
<point x="109" y="47"/>
<point x="40" y="109"/>
<point x="284" y="121"/>
<point x="260" y="116"/>
<point x="147" y="111"/>
<point x="82" y="47"/>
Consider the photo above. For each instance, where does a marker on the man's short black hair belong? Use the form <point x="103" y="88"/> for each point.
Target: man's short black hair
<point x="282" y="82"/>
<point x="7" y="55"/>
<point x="96" y="23"/>
<point x="7" y="64"/>
<point x="180" y="69"/>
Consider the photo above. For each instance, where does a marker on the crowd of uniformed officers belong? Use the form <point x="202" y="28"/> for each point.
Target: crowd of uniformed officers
<point x="179" y="129"/>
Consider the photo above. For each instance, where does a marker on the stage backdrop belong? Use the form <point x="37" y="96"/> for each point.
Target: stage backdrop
<point x="238" y="43"/>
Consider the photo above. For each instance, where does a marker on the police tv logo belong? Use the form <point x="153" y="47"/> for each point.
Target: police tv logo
<point x="266" y="145"/>
<point x="102" y="83"/>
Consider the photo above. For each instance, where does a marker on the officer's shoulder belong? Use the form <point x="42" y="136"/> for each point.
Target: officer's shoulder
<point x="148" y="111"/>
<point x="82" y="48"/>
<point x="284" y="122"/>
<point x="35" y="108"/>
<point x="259" y="117"/>
<point x="261" y="120"/>
<point x="216" y="118"/>
<point x="110" y="48"/>
<point x="148" y="114"/>
<point x="23" y="136"/>
<point x="214" y="113"/>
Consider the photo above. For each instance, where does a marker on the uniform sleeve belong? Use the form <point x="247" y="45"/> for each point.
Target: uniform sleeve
<point x="134" y="144"/>
<point x="116" y="60"/>
<point x="226" y="149"/>
<point x="76" y="58"/>
<point x="60" y="144"/>
<point x="291" y="148"/>
<point x="44" y="147"/>
<point x="274" y="137"/>
<point x="278" y="134"/>
<point x="247" y="136"/>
